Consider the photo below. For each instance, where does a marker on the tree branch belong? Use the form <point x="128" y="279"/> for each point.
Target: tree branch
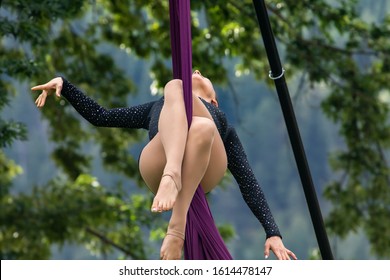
<point x="110" y="242"/>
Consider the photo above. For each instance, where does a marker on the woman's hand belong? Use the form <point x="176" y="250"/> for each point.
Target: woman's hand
<point x="53" y="85"/>
<point x="275" y="244"/>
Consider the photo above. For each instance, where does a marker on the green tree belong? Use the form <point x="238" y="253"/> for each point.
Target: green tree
<point x="36" y="44"/>
<point x="324" y="42"/>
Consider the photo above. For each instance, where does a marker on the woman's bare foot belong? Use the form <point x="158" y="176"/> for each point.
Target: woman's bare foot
<point x="168" y="190"/>
<point x="172" y="246"/>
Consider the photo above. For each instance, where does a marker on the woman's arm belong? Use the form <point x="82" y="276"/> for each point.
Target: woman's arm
<point x="250" y="189"/>
<point x="253" y="195"/>
<point x="130" y="117"/>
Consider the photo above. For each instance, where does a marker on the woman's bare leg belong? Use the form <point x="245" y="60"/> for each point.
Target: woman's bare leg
<point x="207" y="168"/>
<point x="153" y="161"/>
<point x="173" y="130"/>
<point x="200" y="143"/>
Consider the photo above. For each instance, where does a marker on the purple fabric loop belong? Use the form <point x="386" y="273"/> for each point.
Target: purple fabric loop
<point x="203" y="240"/>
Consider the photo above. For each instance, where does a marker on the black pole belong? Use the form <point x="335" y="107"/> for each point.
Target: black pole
<point x="277" y="74"/>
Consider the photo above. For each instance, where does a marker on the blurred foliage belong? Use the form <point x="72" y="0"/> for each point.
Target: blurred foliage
<point x="79" y="212"/>
<point x="326" y="42"/>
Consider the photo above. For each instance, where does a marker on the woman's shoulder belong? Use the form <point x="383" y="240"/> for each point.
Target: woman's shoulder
<point x="215" y="111"/>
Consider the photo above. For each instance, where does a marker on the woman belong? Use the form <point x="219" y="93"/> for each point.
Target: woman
<point x="178" y="159"/>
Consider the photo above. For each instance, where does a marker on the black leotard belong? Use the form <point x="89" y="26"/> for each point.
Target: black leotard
<point x="146" y="116"/>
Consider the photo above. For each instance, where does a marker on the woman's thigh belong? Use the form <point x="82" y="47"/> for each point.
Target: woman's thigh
<point x="218" y="161"/>
<point x="152" y="162"/>
<point x="217" y="165"/>
<point x="152" y="159"/>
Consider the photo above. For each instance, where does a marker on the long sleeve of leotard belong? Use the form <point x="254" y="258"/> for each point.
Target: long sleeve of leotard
<point x="249" y="187"/>
<point x="129" y="117"/>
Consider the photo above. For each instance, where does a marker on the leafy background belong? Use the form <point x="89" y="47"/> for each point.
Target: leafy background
<point x="72" y="191"/>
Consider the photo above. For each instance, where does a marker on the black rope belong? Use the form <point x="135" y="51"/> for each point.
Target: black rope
<point x="277" y="74"/>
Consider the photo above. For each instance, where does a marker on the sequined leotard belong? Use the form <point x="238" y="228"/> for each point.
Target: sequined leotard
<point x="146" y="116"/>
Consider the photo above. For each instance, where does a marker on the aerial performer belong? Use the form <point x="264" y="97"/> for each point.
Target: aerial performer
<point x="186" y="157"/>
<point x="177" y="159"/>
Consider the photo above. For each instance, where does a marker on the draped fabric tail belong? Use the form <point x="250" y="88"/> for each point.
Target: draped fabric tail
<point x="203" y="240"/>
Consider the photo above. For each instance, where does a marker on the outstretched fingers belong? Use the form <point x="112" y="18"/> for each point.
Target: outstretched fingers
<point x="41" y="99"/>
<point x="275" y="245"/>
<point x="46" y="87"/>
<point x="266" y="250"/>
<point x="281" y="254"/>
<point x="291" y="254"/>
<point x="53" y="85"/>
<point x="40" y="87"/>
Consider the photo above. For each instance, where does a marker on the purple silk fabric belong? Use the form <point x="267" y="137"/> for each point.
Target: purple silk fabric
<point x="203" y="240"/>
<point x="180" y="27"/>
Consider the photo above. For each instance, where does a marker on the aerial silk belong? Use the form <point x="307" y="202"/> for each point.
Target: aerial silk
<point x="202" y="238"/>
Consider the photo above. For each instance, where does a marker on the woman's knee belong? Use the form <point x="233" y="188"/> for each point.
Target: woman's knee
<point x="172" y="88"/>
<point x="202" y="130"/>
